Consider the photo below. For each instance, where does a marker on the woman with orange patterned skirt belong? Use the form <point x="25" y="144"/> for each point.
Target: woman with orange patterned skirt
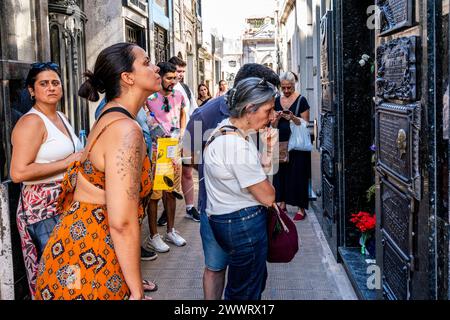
<point x="94" y="251"/>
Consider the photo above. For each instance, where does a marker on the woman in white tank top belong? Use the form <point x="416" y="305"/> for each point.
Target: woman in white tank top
<point x="44" y="145"/>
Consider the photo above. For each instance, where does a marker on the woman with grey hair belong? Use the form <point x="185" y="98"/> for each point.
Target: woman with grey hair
<point x="238" y="190"/>
<point x="292" y="180"/>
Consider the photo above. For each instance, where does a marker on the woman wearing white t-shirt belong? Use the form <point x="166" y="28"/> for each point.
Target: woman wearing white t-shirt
<point x="238" y="189"/>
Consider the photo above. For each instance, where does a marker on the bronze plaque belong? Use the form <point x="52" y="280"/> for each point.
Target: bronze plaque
<point x="396" y="216"/>
<point x="326" y="61"/>
<point x="396" y="274"/>
<point x="327" y="96"/>
<point x="394" y="15"/>
<point x="397" y="138"/>
<point x="327" y="133"/>
<point x="397" y="76"/>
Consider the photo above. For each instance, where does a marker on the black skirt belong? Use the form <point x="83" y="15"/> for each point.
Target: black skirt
<point x="292" y="180"/>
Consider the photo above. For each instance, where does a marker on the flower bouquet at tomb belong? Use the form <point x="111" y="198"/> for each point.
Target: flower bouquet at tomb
<point x="365" y="223"/>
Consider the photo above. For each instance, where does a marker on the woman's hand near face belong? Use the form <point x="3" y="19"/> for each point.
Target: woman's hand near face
<point x="274" y="122"/>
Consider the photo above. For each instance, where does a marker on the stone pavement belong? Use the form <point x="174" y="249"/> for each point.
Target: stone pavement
<point x="312" y="275"/>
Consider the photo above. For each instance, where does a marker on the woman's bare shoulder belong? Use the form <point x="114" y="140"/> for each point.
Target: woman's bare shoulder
<point x="122" y="129"/>
<point x="29" y="122"/>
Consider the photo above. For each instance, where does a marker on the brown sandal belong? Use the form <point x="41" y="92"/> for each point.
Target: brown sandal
<point x="149" y="286"/>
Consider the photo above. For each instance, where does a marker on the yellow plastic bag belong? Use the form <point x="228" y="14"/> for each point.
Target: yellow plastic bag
<point x="166" y="172"/>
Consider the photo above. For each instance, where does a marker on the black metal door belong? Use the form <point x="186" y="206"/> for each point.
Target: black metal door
<point x="412" y="243"/>
<point x="398" y="124"/>
<point x="328" y="132"/>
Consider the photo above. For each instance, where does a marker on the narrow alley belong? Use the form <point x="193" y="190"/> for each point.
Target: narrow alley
<point x="312" y="275"/>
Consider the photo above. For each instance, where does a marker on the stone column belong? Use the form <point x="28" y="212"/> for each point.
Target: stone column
<point x="6" y="256"/>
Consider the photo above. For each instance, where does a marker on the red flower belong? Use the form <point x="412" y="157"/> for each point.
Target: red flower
<point x="364" y="221"/>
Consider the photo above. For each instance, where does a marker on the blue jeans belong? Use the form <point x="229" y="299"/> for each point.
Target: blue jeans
<point x="243" y="236"/>
<point x="215" y="258"/>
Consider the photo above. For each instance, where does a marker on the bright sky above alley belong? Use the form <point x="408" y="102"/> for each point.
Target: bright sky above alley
<point x="228" y="16"/>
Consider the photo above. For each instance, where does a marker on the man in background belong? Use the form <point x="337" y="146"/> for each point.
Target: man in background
<point x="187" y="181"/>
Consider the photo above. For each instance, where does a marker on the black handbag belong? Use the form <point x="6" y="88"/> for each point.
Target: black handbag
<point x="40" y="231"/>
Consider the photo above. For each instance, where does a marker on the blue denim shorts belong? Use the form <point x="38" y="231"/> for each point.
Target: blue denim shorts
<point x="215" y="258"/>
<point x="243" y="236"/>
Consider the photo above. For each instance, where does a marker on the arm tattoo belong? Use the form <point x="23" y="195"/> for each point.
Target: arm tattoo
<point x="129" y="164"/>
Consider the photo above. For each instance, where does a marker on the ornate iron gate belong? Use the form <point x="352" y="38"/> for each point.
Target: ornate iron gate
<point x="161" y="44"/>
<point x="66" y="24"/>
<point x="328" y="131"/>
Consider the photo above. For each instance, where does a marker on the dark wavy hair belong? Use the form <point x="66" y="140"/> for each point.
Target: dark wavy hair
<point x="36" y="69"/>
<point x="257" y="70"/>
<point x="177" y="61"/>
<point x="109" y="66"/>
<point x="166" y="67"/>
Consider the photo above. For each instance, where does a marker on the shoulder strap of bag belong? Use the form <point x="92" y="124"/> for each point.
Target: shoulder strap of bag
<point x="277" y="210"/>
<point x="298" y="106"/>
<point x="22" y="186"/>
<point x="70" y="134"/>
<point x="187" y="90"/>
<point x="222" y="132"/>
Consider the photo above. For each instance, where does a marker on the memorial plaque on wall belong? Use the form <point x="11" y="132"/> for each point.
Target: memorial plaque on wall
<point x="327" y="133"/>
<point x="397" y="217"/>
<point x="397" y="76"/>
<point x="327" y="96"/>
<point x="397" y="139"/>
<point x="396" y="274"/>
<point x="324" y="47"/>
<point x="326" y="61"/>
<point x="394" y="15"/>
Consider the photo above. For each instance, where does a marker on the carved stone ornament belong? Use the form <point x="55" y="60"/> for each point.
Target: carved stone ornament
<point x="397" y="76"/>
<point x="67" y="7"/>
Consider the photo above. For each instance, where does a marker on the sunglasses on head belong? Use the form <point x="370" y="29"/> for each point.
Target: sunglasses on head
<point x="166" y="106"/>
<point x="266" y="84"/>
<point x="43" y="65"/>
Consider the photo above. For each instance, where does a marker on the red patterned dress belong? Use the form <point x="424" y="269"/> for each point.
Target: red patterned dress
<point x="36" y="203"/>
<point x="79" y="261"/>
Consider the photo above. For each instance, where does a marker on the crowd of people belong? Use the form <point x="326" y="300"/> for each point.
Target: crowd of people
<point x="102" y="191"/>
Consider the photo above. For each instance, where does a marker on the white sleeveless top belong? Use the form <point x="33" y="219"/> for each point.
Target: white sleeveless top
<point x="57" y="147"/>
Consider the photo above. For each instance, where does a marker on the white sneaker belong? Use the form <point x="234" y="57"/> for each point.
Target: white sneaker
<point x="175" y="238"/>
<point x="156" y="243"/>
